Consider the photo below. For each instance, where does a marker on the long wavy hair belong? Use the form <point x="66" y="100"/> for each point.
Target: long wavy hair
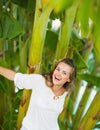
<point x="67" y="85"/>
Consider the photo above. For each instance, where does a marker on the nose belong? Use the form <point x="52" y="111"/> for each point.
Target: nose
<point x="59" y="73"/>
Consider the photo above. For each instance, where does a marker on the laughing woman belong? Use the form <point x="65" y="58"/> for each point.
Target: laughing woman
<point x="48" y="93"/>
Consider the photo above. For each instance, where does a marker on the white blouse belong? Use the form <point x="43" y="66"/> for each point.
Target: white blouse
<point x="43" y="110"/>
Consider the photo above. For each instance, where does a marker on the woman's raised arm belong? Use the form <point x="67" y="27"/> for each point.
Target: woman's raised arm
<point x="7" y="73"/>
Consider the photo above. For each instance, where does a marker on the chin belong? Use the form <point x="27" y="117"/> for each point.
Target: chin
<point x="57" y="84"/>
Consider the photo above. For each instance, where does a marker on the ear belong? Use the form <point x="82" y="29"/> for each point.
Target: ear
<point x="68" y="80"/>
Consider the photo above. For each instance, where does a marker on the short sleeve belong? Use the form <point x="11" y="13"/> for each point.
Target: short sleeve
<point x="28" y="81"/>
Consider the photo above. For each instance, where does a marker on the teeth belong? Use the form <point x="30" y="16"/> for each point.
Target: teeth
<point x="57" y="78"/>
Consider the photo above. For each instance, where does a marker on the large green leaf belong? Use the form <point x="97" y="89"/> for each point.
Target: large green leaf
<point x="38" y="37"/>
<point x="9" y="27"/>
<point x="60" y="5"/>
<point x="10" y="117"/>
<point x="23" y="56"/>
<point x="81" y="107"/>
<point x="77" y="42"/>
<point x="65" y="33"/>
<point x="63" y="114"/>
<point x="49" y="51"/>
<point x="79" y="61"/>
<point x="27" y="4"/>
<point x="89" y="120"/>
<point x="51" y="40"/>
<point x="96" y="34"/>
<point x="84" y="17"/>
<point x="75" y="35"/>
<point x="94" y="80"/>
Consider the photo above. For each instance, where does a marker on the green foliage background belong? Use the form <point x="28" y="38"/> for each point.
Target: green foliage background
<point x="29" y="44"/>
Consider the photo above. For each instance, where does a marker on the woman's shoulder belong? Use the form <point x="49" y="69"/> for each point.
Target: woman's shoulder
<point x="38" y="77"/>
<point x="26" y="74"/>
<point x="28" y="80"/>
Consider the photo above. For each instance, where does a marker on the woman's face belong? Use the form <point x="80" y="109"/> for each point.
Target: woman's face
<point x="61" y="74"/>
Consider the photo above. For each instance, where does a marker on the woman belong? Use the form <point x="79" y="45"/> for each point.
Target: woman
<point x="48" y="94"/>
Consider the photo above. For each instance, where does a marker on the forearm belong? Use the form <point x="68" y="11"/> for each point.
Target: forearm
<point x="7" y="73"/>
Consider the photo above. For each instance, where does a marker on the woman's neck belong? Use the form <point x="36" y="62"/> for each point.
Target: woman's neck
<point x="58" y="91"/>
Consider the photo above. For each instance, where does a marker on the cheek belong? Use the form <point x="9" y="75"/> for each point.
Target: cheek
<point x="53" y="75"/>
<point x="65" y="79"/>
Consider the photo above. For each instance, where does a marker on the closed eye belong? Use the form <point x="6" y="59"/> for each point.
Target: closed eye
<point x="58" y="69"/>
<point x="64" y="73"/>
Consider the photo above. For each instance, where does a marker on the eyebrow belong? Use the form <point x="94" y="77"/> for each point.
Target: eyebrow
<point x="63" y="70"/>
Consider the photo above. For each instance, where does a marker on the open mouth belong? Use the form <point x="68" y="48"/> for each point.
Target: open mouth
<point x="56" y="78"/>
